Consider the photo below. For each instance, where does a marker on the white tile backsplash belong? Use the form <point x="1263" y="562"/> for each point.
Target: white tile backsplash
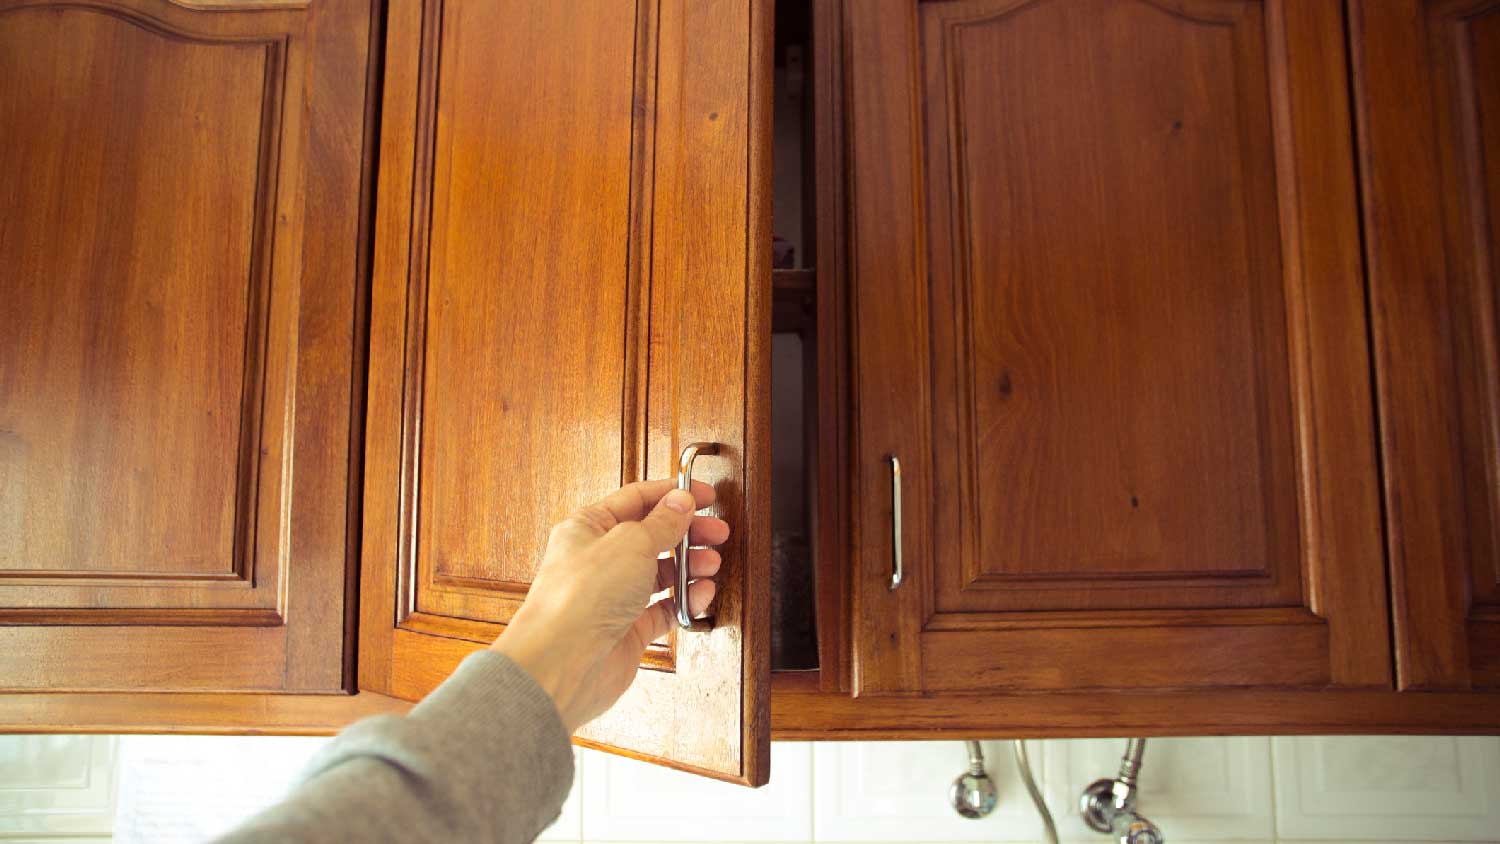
<point x="898" y="791"/>
<point x="1367" y="790"/>
<point x="1211" y="789"/>
<point x="57" y="786"/>
<point x="187" y="789"/>
<point x="626" y="800"/>
<point x="1387" y="788"/>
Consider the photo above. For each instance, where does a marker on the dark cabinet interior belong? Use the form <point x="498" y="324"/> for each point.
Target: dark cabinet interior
<point x="795" y="400"/>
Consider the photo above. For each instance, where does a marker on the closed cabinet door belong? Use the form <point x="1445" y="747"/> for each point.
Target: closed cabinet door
<point x="1109" y="318"/>
<point x="1427" y="80"/>
<point x="571" y="284"/>
<point x="178" y="249"/>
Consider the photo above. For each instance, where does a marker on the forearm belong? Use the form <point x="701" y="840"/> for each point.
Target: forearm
<point x="483" y="758"/>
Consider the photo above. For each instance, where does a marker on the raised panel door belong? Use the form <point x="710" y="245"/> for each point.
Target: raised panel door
<point x="571" y="284"/>
<point x="176" y="368"/>
<point x="1427" y="76"/>
<point x="1109" y="317"/>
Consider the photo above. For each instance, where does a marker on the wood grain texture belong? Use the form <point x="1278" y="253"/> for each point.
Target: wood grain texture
<point x="191" y="712"/>
<point x="529" y="221"/>
<point x="569" y="286"/>
<point x="887" y="267"/>
<point x="1103" y="714"/>
<point x="831" y="449"/>
<point x="144" y="658"/>
<point x="1129" y="657"/>
<point x="1426" y="76"/>
<point x="332" y="322"/>
<point x="1108" y="323"/>
<point x="518" y="212"/>
<point x="816" y="716"/>
<point x="708" y="374"/>
<point x="138" y="325"/>
<point x="181" y="268"/>
<point x="1465" y="44"/>
<point x="1133" y="375"/>
<point x="755" y="396"/>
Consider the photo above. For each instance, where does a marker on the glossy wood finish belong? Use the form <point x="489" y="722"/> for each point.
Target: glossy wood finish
<point x="1108" y="311"/>
<point x="180" y="271"/>
<point x="1099" y="713"/>
<point x="196" y="713"/>
<point x="831" y="450"/>
<point x="1108" y="319"/>
<point x="572" y="281"/>
<point x="1427" y="79"/>
<point x="108" y="369"/>
<point x="803" y="716"/>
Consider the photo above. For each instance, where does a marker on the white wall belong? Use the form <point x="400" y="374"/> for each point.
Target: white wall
<point x="1382" y="789"/>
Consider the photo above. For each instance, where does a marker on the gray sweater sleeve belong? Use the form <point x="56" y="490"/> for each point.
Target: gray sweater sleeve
<point x="484" y="758"/>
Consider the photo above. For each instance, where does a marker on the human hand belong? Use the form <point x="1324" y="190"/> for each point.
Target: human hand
<point x="586" y="621"/>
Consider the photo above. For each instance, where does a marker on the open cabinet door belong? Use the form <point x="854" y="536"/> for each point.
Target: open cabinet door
<point x="571" y="283"/>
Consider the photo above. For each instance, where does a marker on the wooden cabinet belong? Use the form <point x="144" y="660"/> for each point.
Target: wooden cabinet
<point x="1099" y="271"/>
<point x="572" y="234"/>
<point x="1179" y="316"/>
<point x="1112" y="250"/>
<point x="180" y="264"/>
<point x="1427" y="78"/>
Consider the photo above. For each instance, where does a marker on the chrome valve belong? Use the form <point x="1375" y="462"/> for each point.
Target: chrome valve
<point x="973" y="794"/>
<point x="1108" y="806"/>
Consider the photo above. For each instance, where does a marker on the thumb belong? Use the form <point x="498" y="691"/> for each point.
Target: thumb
<point x="665" y="525"/>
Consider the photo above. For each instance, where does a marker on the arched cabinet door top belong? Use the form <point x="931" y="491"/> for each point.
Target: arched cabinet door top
<point x="1106" y="253"/>
<point x="178" y="273"/>
<point x="200" y="21"/>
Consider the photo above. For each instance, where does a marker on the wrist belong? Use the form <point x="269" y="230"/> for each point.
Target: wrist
<point x="547" y="660"/>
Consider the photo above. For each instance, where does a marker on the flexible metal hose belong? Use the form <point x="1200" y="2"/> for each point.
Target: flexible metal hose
<point x="1023" y="763"/>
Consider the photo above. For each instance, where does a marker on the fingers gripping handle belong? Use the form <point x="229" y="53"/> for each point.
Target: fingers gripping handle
<point x="685" y="619"/>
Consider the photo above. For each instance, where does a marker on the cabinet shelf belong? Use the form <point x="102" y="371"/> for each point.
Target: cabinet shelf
<point x="793" y="295"/>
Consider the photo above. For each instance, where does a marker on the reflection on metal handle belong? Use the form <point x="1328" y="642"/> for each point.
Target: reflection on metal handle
<point x="897" y="572"/>
<point x="685" y="619"/>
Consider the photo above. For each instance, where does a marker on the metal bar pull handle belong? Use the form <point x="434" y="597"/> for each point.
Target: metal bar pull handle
<point x="898" y="573"/>
<point x="685" y="619"/>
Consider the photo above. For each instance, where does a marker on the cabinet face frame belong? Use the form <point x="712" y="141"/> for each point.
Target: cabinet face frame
<point x="263" y="610"/>
<point x="693" y="364"/>
<point x="1426" y="74"/>
<point x="1333" y="630"/>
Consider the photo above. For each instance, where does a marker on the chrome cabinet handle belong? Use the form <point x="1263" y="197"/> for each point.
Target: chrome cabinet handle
<point x="685" y="481"/>
<point x="897" y="572"/>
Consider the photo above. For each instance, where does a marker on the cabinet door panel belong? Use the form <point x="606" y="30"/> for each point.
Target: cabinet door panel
<point x="1427" y="76"/>
<point x="1107" y="311"/>
<point x="168" y="340"/>
<point x="1133" y="382"/>
<point x="520" y="379"/>
<point x="569" y="288"/>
